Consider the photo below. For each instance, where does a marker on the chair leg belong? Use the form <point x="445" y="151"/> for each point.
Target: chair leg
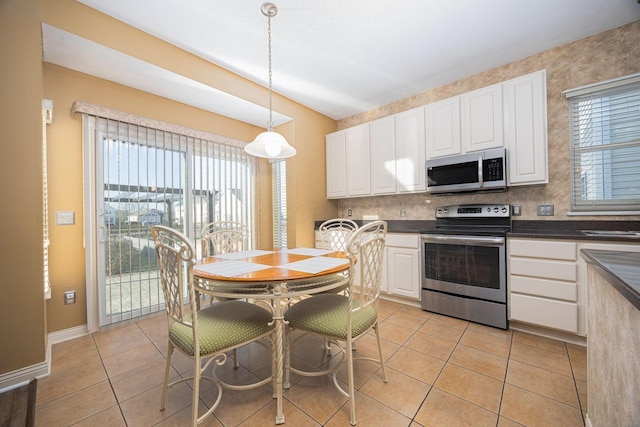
<point x="236" y="365"/>
<point x="327" y="346"/>
<point x="167" y="369"/>
<point x="384" y="372"/>
<point x="197" y="372"/>
<point x="287" y="358"/>
<point x="352" y="390"/>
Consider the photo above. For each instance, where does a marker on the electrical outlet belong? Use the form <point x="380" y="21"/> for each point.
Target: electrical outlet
<point x="69" y="297"/>
<point x="545" y="210"/>
<point x="65" y="218"/>
<point x="403" y="212"/>
<point x="349" y="212"/>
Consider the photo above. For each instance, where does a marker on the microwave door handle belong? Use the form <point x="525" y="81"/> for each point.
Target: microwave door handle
<point x="480" y="177"/>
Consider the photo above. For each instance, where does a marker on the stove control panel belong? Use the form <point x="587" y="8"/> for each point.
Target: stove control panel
<point x="474" y="211"/>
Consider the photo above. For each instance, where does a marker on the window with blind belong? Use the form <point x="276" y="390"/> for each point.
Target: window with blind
<point x="605" y="146"/>
<point x="279" y="177"/>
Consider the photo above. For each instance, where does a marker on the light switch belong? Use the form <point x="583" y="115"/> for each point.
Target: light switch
<point x="65" y="218"/>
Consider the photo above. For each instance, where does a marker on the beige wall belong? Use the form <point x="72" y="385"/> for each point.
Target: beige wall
<point x="603" y="56"/>
<point x="22" y="309"/>
<point x="26" y="81"/>
<point x="306" y="132"/>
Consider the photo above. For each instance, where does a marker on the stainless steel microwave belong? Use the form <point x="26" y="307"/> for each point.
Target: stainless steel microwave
<point x="478" y="171"/>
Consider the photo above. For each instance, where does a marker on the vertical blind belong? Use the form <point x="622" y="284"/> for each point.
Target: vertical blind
<point x="279" y="183"/>
<point x="148" y="173"/>
<point x="47" y="106"/>
<point x="605" y="146"/>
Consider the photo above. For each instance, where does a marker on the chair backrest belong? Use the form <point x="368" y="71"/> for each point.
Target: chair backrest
<point x="336" y="233"/>
<point x="223" y="237"/>
<point x="366" y="253"/>
<point x="176" y="257"/>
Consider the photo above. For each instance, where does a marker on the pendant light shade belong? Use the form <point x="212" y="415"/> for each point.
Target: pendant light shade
<point x="270" y="144"/>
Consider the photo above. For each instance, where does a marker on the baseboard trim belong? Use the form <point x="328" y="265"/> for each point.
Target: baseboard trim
<point x="23" y="376"/>
<point x="67" y="334"/>
<point x="20" y="377"/>
<point x="549" y="333"/>
<point x="587" y="421"/>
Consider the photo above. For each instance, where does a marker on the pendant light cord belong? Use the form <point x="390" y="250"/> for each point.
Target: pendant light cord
<point x="270" y="123"/>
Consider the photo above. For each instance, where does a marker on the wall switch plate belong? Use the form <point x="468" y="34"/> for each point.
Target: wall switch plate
<point x="545" y="210"/>
<point x="65" y="218"/>
<point x="516" y="210"/>
<point x="69" y="297"/>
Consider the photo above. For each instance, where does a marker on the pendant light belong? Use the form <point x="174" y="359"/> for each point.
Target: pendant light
<point x="270" y="144"/>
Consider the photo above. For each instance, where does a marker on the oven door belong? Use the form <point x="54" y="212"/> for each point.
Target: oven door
<point x="471" y="266"/>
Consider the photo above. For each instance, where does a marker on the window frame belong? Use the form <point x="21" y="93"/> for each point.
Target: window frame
<point x="592" y="104"/>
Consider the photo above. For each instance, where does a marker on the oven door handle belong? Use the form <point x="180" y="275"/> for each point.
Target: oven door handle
<point x="469" y="240"/>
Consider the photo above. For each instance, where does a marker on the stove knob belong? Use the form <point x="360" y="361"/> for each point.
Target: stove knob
<point x="496" y="209"/>
<point x="504" y="209"/>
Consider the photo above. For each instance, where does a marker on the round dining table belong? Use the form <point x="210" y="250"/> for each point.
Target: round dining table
<point x="275" y="276"/>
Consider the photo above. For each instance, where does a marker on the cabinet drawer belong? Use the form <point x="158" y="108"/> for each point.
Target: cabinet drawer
<point x="403" y="240"/>
<point x="544" y="288"/>
<point x="543" y="249"/>
<point x="543" y="312"/>
<point x="548" y="269"/>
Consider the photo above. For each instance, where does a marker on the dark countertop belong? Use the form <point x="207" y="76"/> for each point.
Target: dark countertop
<point x="570" y="230"/>
<point x="573" y="230"/>
<point x="621" y="269"/>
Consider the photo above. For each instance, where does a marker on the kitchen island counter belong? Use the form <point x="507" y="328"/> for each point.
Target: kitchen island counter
<point x="620" y="269"/>
<point x="613" y="337"/>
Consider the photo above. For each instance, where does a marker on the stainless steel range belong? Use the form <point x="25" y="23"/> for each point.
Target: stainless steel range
<point x="464" y="261"/>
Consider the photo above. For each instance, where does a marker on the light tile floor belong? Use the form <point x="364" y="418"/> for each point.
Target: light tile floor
<point x="442" y="372"/>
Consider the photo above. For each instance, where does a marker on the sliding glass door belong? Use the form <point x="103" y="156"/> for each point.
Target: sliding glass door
<point x="145" y="177"/>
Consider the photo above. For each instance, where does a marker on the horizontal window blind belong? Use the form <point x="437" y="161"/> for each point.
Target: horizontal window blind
<point x="605" y="147"/>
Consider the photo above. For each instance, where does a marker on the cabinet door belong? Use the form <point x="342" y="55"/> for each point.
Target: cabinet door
<point x="526" y="129"/>
<point x="382" y="134"/>
<point x="403" y="272"/>
<point x="410" y="150"/>
<point x="358" y="160"/>
<point x="482" y="119"/>
<point x="443" y="128"/>
<point x="336" y="165"/>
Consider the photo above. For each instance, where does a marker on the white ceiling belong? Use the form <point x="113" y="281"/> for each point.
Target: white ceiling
<point x="337" y="57"/>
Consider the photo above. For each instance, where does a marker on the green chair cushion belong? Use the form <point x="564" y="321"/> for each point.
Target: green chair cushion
<point x="326" y="314"/>
<point x="222" y="326"/>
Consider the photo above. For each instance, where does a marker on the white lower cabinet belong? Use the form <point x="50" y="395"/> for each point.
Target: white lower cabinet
<point x="401" y="269"/>
<point x="548" y="281"/>
<point x="543" y="284"/>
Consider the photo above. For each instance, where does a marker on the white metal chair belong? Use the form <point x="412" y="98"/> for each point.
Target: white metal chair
<point x="204" y="335"/>
<point x="336" y="233"/>
<point x="223" y="237"/>
<point x="343" y="319"/>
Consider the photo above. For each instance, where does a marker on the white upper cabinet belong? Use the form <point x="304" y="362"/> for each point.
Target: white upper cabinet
<point x="482" y="119"/>
<point x="358" y="160"/>
<point x="336" y="165"/>
<point x="525" y="100"/>
<point x="349" y="162"/>
<point x="443" y="128"/>
<point x="382" y="135"/>
<point x="387" y="156"/>
<point x="410" y="150"/>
